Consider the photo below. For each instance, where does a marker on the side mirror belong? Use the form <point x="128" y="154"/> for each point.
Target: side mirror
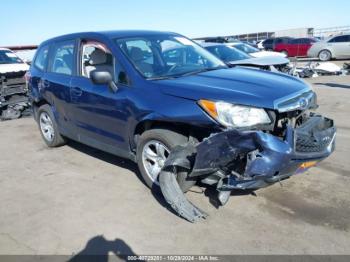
<point x="103" y="78"/>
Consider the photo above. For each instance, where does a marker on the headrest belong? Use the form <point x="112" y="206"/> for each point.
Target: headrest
<point x="98" y="57"/>
<point x="136" y="54"/>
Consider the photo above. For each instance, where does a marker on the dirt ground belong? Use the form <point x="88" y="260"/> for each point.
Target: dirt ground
<point x="77" y="199"/>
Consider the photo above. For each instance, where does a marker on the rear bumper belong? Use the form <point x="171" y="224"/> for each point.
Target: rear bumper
<point x="267" y="159"/>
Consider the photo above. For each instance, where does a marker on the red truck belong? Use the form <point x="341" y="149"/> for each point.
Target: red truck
<point x="295" y="47"/>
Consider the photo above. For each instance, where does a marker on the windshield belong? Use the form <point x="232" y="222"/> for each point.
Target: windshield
<point x="246" y="48"/>
<point x="8" y="57"/>
<point x="165" y="56"/>
<point x="227" y="53"/>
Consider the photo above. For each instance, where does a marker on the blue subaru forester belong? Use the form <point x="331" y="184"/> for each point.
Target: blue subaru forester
<point x="139" y="94"/>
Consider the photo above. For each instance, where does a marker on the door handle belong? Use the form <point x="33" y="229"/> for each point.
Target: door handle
<point x="77" y="91"/>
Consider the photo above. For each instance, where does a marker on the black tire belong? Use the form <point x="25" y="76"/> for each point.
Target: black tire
<point x="57" y="139"/>
<point x="325" y="55"/>
<point x="170" y="139"/>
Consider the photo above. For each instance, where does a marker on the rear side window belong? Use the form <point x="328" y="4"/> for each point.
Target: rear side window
<point x="62" y="58"/>
<point x="41" y="58"/>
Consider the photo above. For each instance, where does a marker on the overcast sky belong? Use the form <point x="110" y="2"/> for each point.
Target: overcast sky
<point x="30" y="22"/>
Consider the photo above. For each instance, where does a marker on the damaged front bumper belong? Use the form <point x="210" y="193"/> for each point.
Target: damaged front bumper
<point x="236" y="159"/>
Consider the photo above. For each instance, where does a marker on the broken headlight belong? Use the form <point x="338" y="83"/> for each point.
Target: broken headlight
<point x="231" y="115"/>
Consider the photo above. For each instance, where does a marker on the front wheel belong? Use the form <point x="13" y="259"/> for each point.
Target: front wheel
<point x="153" y="149"/>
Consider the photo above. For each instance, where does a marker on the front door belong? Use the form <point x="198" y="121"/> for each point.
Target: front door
<point x="341" y="46"/>
<point x="99" y="113"/>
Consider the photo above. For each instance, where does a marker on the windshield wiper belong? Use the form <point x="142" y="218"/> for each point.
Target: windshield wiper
<point x="200" y="71"/>
<point x="160" y="77"/>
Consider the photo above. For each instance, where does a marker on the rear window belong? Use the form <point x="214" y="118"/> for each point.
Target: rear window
<point x="41" y="58"/>
<point x="62" y="60"/>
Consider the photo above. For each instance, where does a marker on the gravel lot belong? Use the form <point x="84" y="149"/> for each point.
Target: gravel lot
<point x="77" y="199"/>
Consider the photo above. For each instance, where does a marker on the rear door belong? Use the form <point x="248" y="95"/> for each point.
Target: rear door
<point x="294" y="47"/>
<point x="57" y="82"/>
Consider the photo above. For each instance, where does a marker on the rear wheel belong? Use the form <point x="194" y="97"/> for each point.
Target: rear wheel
<point x="325" y="55"/>
<point x="48" y="127"/>
<point x="152" y="151"/>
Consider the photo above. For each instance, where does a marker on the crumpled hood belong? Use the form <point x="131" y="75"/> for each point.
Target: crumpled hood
<point x="8" y="68"/>
<point x="262" y="61"/>
<point x="236" y="85"/>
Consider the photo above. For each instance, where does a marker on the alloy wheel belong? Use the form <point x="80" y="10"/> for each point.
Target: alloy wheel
<point x="46" y="126"/>
<point x="154" y="154"/>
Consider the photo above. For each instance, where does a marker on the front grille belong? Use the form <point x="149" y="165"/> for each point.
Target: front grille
<point x="315" y="135"/>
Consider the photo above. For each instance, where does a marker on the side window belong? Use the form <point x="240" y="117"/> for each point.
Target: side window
<point x="96" y="56"/>
<point x="339" y="39"/>
<point x="295" y="41"/>
<point x="62" y="61"/>
<point x="41" y="58"/>
<point x="278" y="41"/>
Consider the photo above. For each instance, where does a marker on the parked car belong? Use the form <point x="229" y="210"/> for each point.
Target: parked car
<point x="334" y="47"/>
<point x="250" y="43"/>
<point x="295" y="47"/>
<point x="143" y="94"/>
<point x="254" y="52"/>
<point x="233" y="56"/>
<point x="270" y="43"/>
<point x="214" y="39"/>
<point x="10" y="62"/>
<point x="13" y="88"/>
